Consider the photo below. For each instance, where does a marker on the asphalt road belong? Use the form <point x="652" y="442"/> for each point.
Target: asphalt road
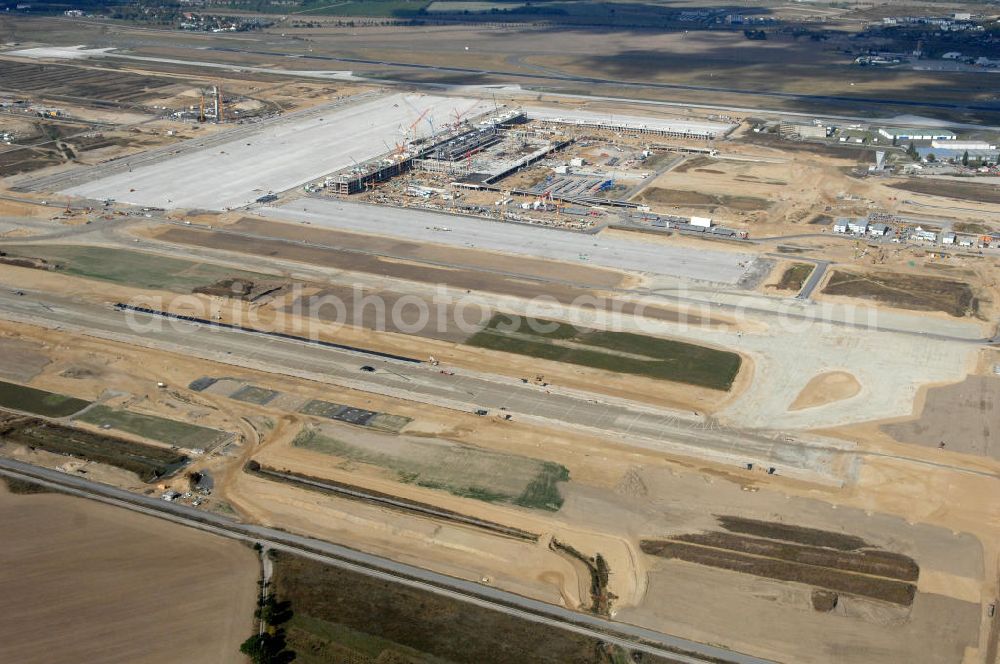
<point x="625" y="635"/>
<point x="814" y="278"/>
<point x="812" y="458"/>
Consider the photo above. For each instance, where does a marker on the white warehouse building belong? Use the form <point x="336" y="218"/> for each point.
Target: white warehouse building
<point x="962" y="145"/>
<point x="673" y="127"/>
<point x="902" y="134"/>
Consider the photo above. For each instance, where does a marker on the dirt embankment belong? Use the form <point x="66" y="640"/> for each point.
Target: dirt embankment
<point x="826" y="388"/>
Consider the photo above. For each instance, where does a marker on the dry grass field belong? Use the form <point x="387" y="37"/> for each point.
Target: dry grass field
<point x="919" y="293"/>
<point x="85" y="582"/>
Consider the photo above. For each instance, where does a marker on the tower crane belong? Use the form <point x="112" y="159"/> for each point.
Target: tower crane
<point x="458" y="116"/>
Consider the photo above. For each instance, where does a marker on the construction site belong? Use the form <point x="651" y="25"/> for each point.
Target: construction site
<point x="605" y="379"/>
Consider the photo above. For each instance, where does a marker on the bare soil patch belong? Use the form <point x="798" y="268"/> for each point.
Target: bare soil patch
<point x="856" y="584"/>
<point x="86" y="582"/>
<point x="239" y="289"/>
<point x="826" y="388"/>
<point x="963" y="191"/>
<point x="970" y="227"/>
<point x="687" y="198"/>
<point x="694" y="163"/>
<point x="789" y="533"/>
<point x="465" y="258"/>
<point x="963" y="416"/>
<point x="81" y="83"/>
<point x="24" y="160"/>
<point x="822" y="559"/>
<point x="355" y="261"/>
<point x="21" y="359"/>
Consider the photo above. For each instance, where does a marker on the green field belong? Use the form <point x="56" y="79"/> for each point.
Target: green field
<point x="146" y="461"/>
<point x="254" y="394"/>
<point x="458" y="469"/>
<point x="388" y="422"/>
<point x="795" y="276"/>
<point x="39" y="402"/>
<point x="621" y="352"/>
<point x="321" y="642"/>
<point x="131" y="268"/>
<point x="155" y="428"/>
<point x="344" y="617"/>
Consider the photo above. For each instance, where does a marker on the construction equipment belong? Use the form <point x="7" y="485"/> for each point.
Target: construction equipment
<point x="458" y="116"/>
<point x="413" y="125"/>
<point x="219" y="110"/>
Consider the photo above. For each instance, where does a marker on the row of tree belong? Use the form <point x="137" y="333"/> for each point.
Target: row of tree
<point x="269" y="646"/>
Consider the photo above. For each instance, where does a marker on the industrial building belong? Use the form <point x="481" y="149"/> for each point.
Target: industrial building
<point x="361" y="178"/>
<point x="903" y="134"/>
<point x="803" y="130"/>
<point x="879" y="230"/>
<point x="854" y="225"/>
<point x="947" y="154"/>
<point x="675" y="128"/>
<point x="464" y="144"/>
<point x="962" y="145"/>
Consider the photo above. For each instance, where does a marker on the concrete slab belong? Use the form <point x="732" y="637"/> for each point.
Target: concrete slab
<point x="621" y="253"/>
<point x="276" y="157"/>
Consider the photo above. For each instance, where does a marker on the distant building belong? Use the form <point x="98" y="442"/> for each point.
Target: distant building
<point x="948" y="238"/>
<point x="853" y="136"/>
<point x="921" y="234"/>
<point x="962" y="145"/>
<point x="951" y="55"/>
<point x="840" y="225"/>
<point x="803" y="130"/>
<point x="701" y="222"/>
<point x="858" y="225"/>
<point x="878" y="230"/>
<point x="903" y="134"/>
<point x="948" y="154"/>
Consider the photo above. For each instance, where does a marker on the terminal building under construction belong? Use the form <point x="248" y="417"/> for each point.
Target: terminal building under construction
<point x="447" y="147"/>
<point x="443" y="151"/>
